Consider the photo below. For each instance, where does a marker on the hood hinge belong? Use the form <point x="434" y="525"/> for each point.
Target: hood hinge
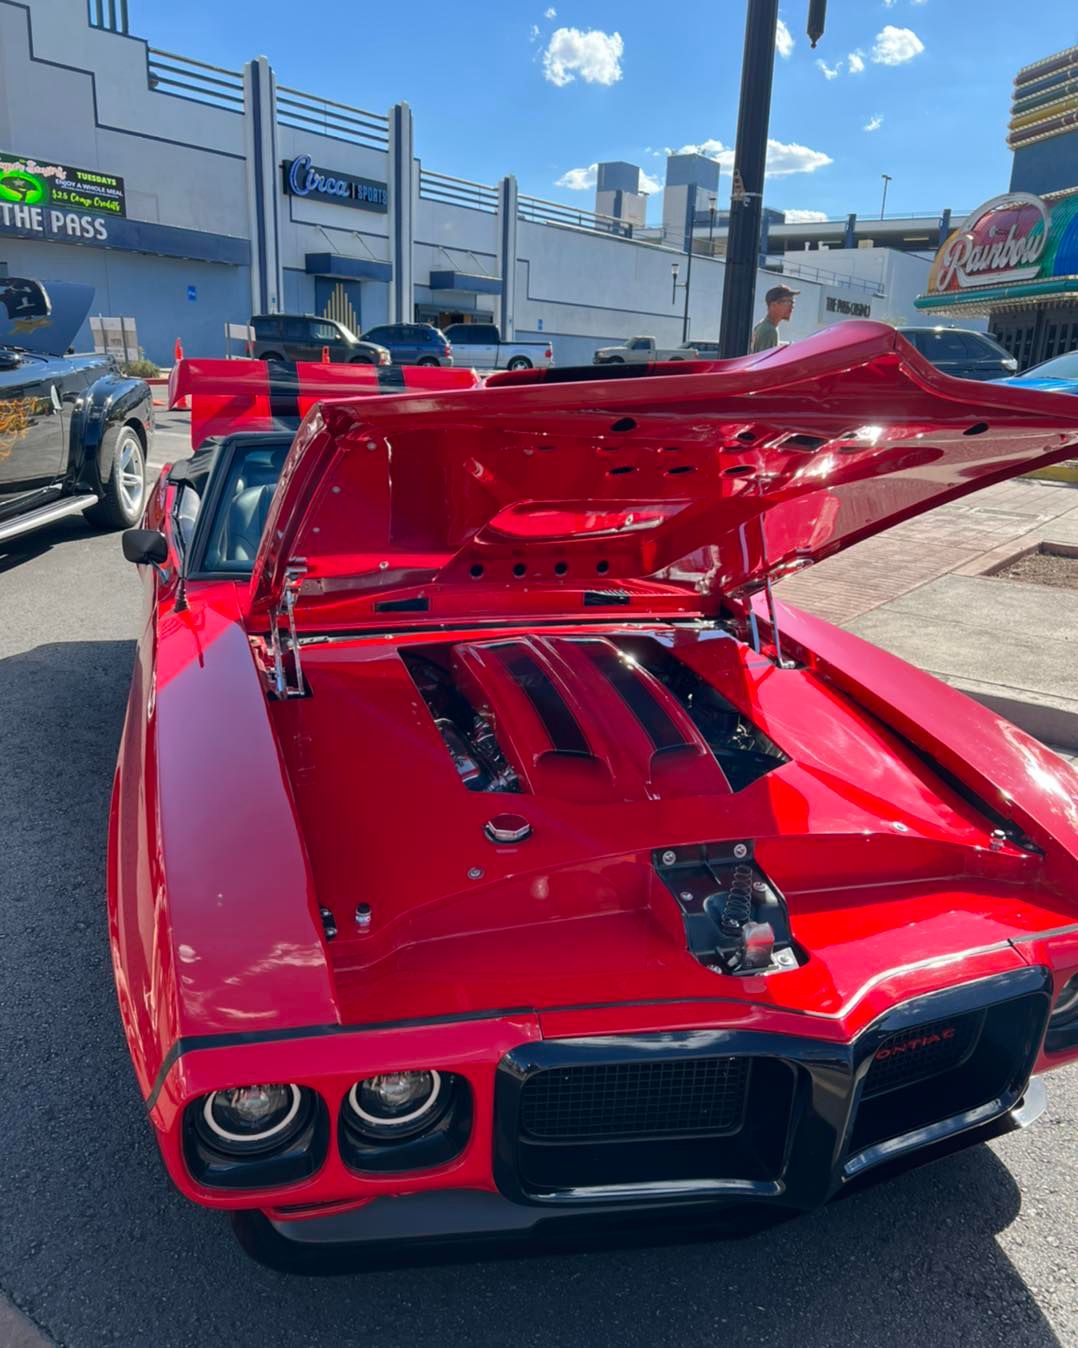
<point x="293" y="579"/>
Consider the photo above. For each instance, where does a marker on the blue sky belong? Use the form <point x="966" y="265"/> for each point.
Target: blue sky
<point x="918" y="89"/>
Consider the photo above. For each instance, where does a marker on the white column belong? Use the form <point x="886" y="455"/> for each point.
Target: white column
<point x="507" y="255"/>
<point x="403" y="189"/>
<point x="263" y="188"/>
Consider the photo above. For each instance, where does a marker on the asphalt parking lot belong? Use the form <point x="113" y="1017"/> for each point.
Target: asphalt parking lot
<point x="97" y="1248"/>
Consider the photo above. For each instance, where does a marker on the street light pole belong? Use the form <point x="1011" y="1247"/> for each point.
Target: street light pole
<point x="883" y="204"/>
<point x="746" y="197"/>
<point x="690" y="240"/>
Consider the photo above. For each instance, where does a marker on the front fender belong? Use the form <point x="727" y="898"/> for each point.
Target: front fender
<point x="110" y="402"/>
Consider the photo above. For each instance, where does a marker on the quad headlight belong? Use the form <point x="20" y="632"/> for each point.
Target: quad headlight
<point x="406" y="1120"/>
<point x="396" y="1104"/>
<point x="248" y="1137"/>
<point x="245" y="1118"/>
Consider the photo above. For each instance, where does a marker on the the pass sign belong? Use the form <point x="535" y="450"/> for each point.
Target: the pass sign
<point x="999" y="244"/>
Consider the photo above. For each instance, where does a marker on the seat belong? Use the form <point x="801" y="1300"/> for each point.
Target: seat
<point x="245" y="523"/>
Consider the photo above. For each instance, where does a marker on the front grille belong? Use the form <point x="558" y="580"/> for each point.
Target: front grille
<point x="635" y="1099"/>
<point x="925" y="1051"/>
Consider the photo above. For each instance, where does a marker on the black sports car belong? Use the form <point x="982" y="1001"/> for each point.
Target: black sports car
<point x="74" y="431"/>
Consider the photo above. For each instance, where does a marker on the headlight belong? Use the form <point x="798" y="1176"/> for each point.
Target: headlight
<point x="245" y="1119"/>
<point x="385" y="358"/>
<point x="396" y="1104"/>
<point x="1063" y="1022"/>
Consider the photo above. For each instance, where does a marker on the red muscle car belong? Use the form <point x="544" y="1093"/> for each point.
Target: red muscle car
<point x="490" y="846"/>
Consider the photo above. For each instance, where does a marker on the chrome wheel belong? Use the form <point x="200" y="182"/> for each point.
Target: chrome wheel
<point x="130" y="473"/>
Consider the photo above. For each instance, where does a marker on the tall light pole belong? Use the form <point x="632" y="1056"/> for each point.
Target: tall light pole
<point x="750" y="155"/>
<point x="883" y="204"/>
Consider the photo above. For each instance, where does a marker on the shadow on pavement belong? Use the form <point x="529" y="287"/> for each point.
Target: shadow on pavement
<point x="24" y="548"/>
<point x="97" y="1246"/>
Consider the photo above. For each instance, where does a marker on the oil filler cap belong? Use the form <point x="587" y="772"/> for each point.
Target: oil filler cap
<point x="507" y="828"/>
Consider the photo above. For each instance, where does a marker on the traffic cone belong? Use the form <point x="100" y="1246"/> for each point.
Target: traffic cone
<point x="325" y="355"/>
<point x="182" y="404"/>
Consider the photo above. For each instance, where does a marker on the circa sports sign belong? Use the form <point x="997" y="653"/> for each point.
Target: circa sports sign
<point x="1001" y="243"/>
<point x="304" y="179"/>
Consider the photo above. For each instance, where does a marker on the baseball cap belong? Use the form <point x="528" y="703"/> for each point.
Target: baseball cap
<point x="780" y="293"/>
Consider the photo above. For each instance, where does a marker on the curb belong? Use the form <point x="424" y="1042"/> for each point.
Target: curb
<point x="1045" y="721"/>
<point x="16" y="1331"/>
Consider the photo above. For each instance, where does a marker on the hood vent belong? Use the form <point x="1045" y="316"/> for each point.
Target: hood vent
<point x="468" y="732"/>
<point x="742" y="749"/>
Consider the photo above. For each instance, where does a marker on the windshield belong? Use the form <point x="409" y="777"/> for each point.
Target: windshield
<point x="1063" y="367"/>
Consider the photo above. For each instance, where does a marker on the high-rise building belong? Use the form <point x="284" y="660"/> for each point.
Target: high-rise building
<point x="617" y="193"/>
<point x="1043" y="131"/>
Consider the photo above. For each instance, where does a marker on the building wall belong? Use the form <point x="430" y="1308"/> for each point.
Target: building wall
<point x="82" y="97"/>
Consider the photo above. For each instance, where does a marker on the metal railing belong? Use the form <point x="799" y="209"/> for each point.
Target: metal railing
<point x="457" y="192"/>
<point x="307" y="112"/>
<point x="183" y="77"/>
<point x="824" y="277"/>
<point x="108" y="15"/>
<point x="541" y="212"/>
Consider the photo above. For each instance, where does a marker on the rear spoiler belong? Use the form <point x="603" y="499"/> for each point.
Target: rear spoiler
<point x="256" y="395"/>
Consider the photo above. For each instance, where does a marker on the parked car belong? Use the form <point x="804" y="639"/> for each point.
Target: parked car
<point x="1059" y="375"/>
<point x="641" y="350"/>
<point x="413" y="343"/>
<point x="303" y="337"/>
<point x="958" y="351"/>
<point x="500" y="849"/>
<point x="74" y="431"/>
<point x="701" y="350"/>
<point x="481" y="345"/>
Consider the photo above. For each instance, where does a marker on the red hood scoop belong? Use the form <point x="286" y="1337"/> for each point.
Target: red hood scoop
<point x="588" y="718"/>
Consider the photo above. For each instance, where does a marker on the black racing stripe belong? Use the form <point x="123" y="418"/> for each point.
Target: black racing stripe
<point x="192" y="1042"/>
<point x="283" y="390"/>
<point x="560" y="724"/>
<point x="633" y="690"/>
<point x="391" y="378"/>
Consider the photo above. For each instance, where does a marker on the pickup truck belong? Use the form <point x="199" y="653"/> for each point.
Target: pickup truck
<point x="481" y="345"/>
<point x="640" y="351"/>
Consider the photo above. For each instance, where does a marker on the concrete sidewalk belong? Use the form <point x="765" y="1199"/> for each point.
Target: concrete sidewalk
<point x="925" y="591"/>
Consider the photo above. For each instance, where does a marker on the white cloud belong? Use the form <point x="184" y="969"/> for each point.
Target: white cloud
<point x="583" y="179"/>
<point x="595" y="56"/>
<point x="856" y="61"/>
<point x="829" y="72"/>
<point x="550" y="13"/>
<point x="804" y="217"/>
<point x="782" y="159"/>
<point x="874" y="122"/>
<point x="578" y="179"/>
<point x="784" y="42"/>
<point x="895" y="46"/>
<point x="889" y="4"/>
<point x="533" y="33"/>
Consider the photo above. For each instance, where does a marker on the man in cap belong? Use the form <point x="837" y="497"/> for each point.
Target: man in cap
<point x="780" y="305"/>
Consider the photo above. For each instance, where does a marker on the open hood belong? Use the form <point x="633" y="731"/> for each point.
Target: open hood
<point x="39" y="318"/>
<point x="676" y="489"/>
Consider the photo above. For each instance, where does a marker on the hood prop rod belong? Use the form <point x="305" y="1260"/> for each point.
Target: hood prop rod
<point x="293" y="578"/>
<point x="772" y="612"/>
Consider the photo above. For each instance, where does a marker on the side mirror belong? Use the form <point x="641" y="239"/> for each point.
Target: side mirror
<point x="145" y="547"/>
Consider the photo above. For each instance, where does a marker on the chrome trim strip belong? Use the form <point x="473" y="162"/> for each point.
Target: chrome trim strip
<point x="44" y="515"/>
